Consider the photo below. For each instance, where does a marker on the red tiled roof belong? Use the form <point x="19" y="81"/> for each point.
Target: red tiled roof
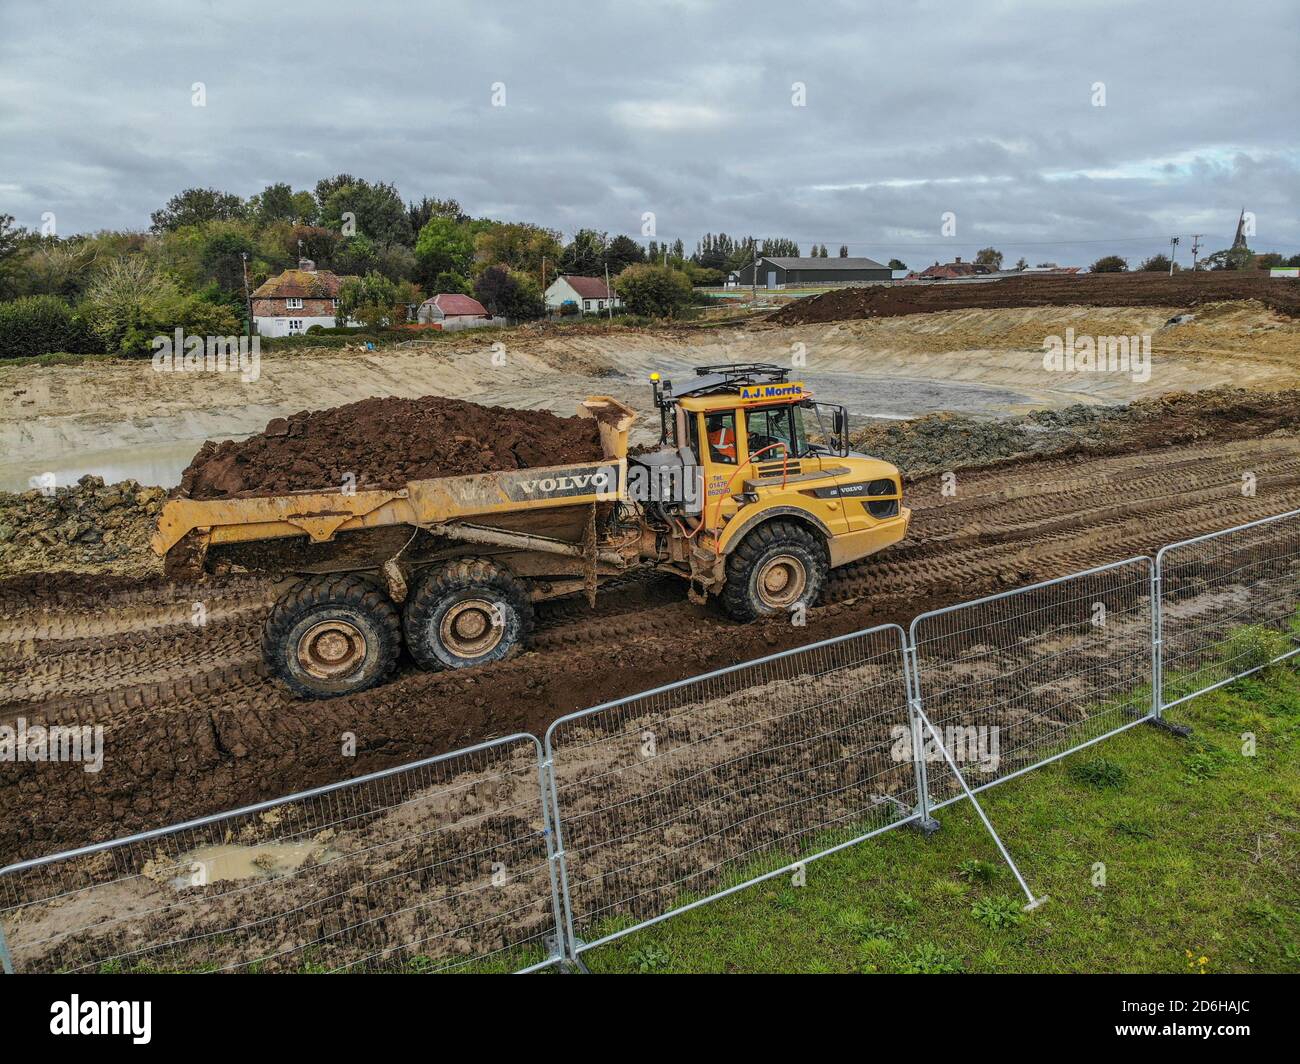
<point x="588" y="287"/>
<point x="297" y="284"/>
<point x="451" y="303"/>
<point x="953" y="269"/>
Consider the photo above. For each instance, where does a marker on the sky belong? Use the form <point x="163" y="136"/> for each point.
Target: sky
<point x="1057" y="131"/>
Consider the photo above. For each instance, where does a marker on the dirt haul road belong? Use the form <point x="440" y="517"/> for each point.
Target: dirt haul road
<point x="193" y="725"/>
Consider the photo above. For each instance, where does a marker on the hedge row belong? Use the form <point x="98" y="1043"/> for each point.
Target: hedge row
<point x="37" y="325"/>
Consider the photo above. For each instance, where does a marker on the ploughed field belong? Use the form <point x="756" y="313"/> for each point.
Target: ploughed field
<point x="193" y="725"/>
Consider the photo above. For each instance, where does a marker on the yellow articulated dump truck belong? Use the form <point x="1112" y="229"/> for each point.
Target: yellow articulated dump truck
<point x="751" y="497"/>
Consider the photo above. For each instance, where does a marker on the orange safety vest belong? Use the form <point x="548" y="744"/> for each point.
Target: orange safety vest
<point x="718" y="440"/>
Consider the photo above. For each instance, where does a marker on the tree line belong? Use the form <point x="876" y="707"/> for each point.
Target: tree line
<point x="113" y="291"/>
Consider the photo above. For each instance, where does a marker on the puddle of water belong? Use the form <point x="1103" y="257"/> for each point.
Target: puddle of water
<point x="159" y="464"/>
<point x="212" y="864"/>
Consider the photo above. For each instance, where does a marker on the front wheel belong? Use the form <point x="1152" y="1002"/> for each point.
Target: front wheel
<point x="331" y="636"/>
<point x="777" y="568"/>
<point x="469" y="612"/>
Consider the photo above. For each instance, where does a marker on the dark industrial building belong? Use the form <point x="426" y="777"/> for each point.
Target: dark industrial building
<point x="782" y="272"/>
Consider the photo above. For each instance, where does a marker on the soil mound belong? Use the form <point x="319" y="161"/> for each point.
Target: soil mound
<point x="382" y="443"/>
<point x="1089" y="290"/>
<point x="946" y="441"/>
<point x="89" y="526"/>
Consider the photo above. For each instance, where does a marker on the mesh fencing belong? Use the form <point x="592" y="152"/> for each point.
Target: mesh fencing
<point x="665" y="800"/>
<point x="1015" y="679"/>
<point x="1229" y="605"/>
<point x="694" y="789"/>
<point x="438" y="865"/>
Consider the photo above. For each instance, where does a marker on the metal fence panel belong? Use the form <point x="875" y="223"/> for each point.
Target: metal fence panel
<point x="436" y="865"/>
<point x="1015" y="679"/>
<point x="677" y="795"/>
<point x="1229" y="604"/>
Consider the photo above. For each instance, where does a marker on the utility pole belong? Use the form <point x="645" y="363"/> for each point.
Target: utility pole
<point x="753" y="280"/>
<point x="248" y="300"/>
<point x="1173" y="251"/>
<point x="1196" y="244"/>
<point x="609" y="296"/>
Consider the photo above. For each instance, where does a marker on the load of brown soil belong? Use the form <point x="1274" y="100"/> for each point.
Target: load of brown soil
<point x="1090" y="290"/>
<point x="383" y="443"/>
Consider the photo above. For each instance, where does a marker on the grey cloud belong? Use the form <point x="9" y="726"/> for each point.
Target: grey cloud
<point x="682" y="109"/>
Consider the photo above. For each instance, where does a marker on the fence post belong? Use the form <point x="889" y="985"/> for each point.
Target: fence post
<point x="923" y="822"/>
<point x="1157" y="644"/>
<point x="6" y="961"/>
<point x="1157" y="717"/>
<point x="559" y="950"/>
<point x="566" y="939"/>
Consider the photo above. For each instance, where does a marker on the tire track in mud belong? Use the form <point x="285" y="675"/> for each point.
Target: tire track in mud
<point x="193" y="725"/>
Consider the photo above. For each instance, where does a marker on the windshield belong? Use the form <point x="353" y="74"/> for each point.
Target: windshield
<point x="777" y="431"/>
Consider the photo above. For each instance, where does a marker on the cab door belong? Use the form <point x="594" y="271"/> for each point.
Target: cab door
<point x="716" y="439"/>
<point x="772" y="432"/>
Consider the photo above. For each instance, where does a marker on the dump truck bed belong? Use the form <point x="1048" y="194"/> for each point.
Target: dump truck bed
<point x="321" y="515"/>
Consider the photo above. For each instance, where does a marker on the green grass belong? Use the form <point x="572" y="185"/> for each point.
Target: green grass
<point x="1198" y="842"/>
<point x="56" y="358"/>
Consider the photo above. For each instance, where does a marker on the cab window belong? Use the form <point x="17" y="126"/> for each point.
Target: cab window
<point x="772" y="426"/>
<point x="720" y="429"/>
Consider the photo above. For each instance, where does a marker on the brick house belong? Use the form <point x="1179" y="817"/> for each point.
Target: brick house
<point x="951" y="271"/>
<point x="296" y="300"/>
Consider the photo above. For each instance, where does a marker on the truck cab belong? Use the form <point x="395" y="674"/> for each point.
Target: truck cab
<point x="779" y="498"/>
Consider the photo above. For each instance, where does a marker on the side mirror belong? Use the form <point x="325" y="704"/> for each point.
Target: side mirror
<point x="839" y="421"/>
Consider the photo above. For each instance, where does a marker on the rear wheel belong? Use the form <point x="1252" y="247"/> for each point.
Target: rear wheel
<point x="469" y="612"/>
<point x="331" y="636"/>
<point x="777" y="568"/>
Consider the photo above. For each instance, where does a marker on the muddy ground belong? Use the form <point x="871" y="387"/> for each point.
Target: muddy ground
<point x="384" y="443"/>
<point x="1099" y="290"/>
<point x="663" y="799"/>
<point x="194" y="725"/>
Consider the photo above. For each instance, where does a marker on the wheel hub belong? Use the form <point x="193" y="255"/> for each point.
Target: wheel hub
<point x="781" y="580"/>
<point x="331" y="649"/>
<point x="471" y="628"/>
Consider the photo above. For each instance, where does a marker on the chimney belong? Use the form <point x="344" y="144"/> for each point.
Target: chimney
<point x="307" y="264"/>
<point x="959" y="258"/>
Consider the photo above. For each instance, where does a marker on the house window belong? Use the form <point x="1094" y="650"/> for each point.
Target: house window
<point x="295" y="325"/>
<point x="586" y="304"/>
<point x="334" y="303"/>
<point x="293" y="304"/>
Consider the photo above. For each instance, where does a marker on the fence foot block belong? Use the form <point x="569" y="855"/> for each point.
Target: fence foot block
<point x="574" y="965"/>
<point x="1181" y="730"/>
<point x="927" y="826"/>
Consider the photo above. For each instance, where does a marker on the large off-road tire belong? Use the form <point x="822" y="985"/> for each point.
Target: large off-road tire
<point x="468" y="612"/>
<point x="331" y="636"/>
<point x="777" y="568"/>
